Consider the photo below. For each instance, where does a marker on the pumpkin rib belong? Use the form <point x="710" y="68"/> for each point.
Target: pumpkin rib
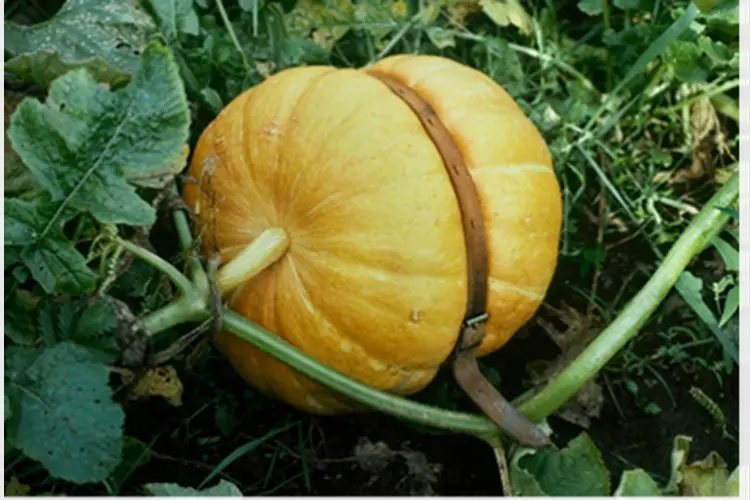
<point x="320" y="254"/>
<point x="371" y="190"/>
<point x="245" y="155"/>
<point x="498" y="285"/>
<point x="304" y="294"/>
<point x="317" y="309"/>
<point x="518" y="168"/>
<point x="353" y="112"/>
<point x="428" y="74"/>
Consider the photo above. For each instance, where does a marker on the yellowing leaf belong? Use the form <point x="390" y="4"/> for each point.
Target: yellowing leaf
<point x="430" y="13"/>
<point x="14" y="488"/>
<point x="325" y="22"/>
<point x="507" y="12"/>
<point x="459" y="11"/>
<point x="160" y="381"/>
<point x="399" y="8"/>
<point x="733" y="484"/>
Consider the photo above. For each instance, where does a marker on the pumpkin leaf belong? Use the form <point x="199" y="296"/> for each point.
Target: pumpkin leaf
<point x="88" y="325"/>
<point x="175" y="17"/>
<point x="223" y="489"/>
<point x="84" y="141"/>
<point x="327" y="22"/>
<point x="324" y="22"/>
<point x="507" y="12"/>
<point x="591" y="7"/>
<point x="522" y="481"/>
<point x="733" y="483"/>
<point x="637" y="483"/>
<point x="160" y="381"/>
<point x="135" y="454"/>
<point x="106" y="37"/>
<point x="68" y="420"/>
<point x="576" y="470"/>
<point x="19" y="327"/>
<point x="706" y="478"/>
<point x="18" y="180"/>
<point x="441" y="37"/>
<point x="15" y="488"/>
<point x="34" y="229"/>
<point x="725" y="16"/>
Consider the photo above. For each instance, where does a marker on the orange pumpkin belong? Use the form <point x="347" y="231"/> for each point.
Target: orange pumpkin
<point x="373" y="279"/>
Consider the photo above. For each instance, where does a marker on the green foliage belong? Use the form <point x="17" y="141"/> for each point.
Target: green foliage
<point x="84" y="141"/>
<point x="63" y="412"/>
<point x="578" y="470"/>
<point x="222" y="489"/>
<point x="637" y="483"/>
<point x="176" y="16"/>
<point x="82" y="145"/>
<point x="87" y="148"/>
<point x="34" y="229"/>
<point x="87" y="325"/>
<point x="106" y="37"/>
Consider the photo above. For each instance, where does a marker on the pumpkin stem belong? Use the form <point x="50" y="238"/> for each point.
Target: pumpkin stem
<point x="265" y="250"/>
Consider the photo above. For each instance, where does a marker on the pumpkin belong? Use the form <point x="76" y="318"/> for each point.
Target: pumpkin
<point x="371" y="278"/>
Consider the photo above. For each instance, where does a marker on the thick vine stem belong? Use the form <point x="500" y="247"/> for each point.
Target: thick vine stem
<point x="185" y="286"/>
<point x="190" y="306"/>
<point x="387" y="403"/>
<point x="707" y="224"/>
<point x="197" y="274"/>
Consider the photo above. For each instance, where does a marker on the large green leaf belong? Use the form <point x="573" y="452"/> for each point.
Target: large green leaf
<point x="176" y="16"/>
<point x="64" y="415"/>
<point x="222" y="489"/>
<point x="88" y="325"/>
<point x="722" y="15"/>
<point x="106" y="37"/>
<point x="637" y="483"/>
<point x="576" y="470"/>
<point x="84" y="141"/>
<point x="34" y="228"/>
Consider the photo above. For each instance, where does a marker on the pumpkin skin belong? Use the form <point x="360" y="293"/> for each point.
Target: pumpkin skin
<point x="374" y="281"/>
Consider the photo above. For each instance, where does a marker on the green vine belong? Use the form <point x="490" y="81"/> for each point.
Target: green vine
<point x="193" y="306"/>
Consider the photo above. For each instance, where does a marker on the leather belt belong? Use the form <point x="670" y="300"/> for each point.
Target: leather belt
<point x="473" y="329"/>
